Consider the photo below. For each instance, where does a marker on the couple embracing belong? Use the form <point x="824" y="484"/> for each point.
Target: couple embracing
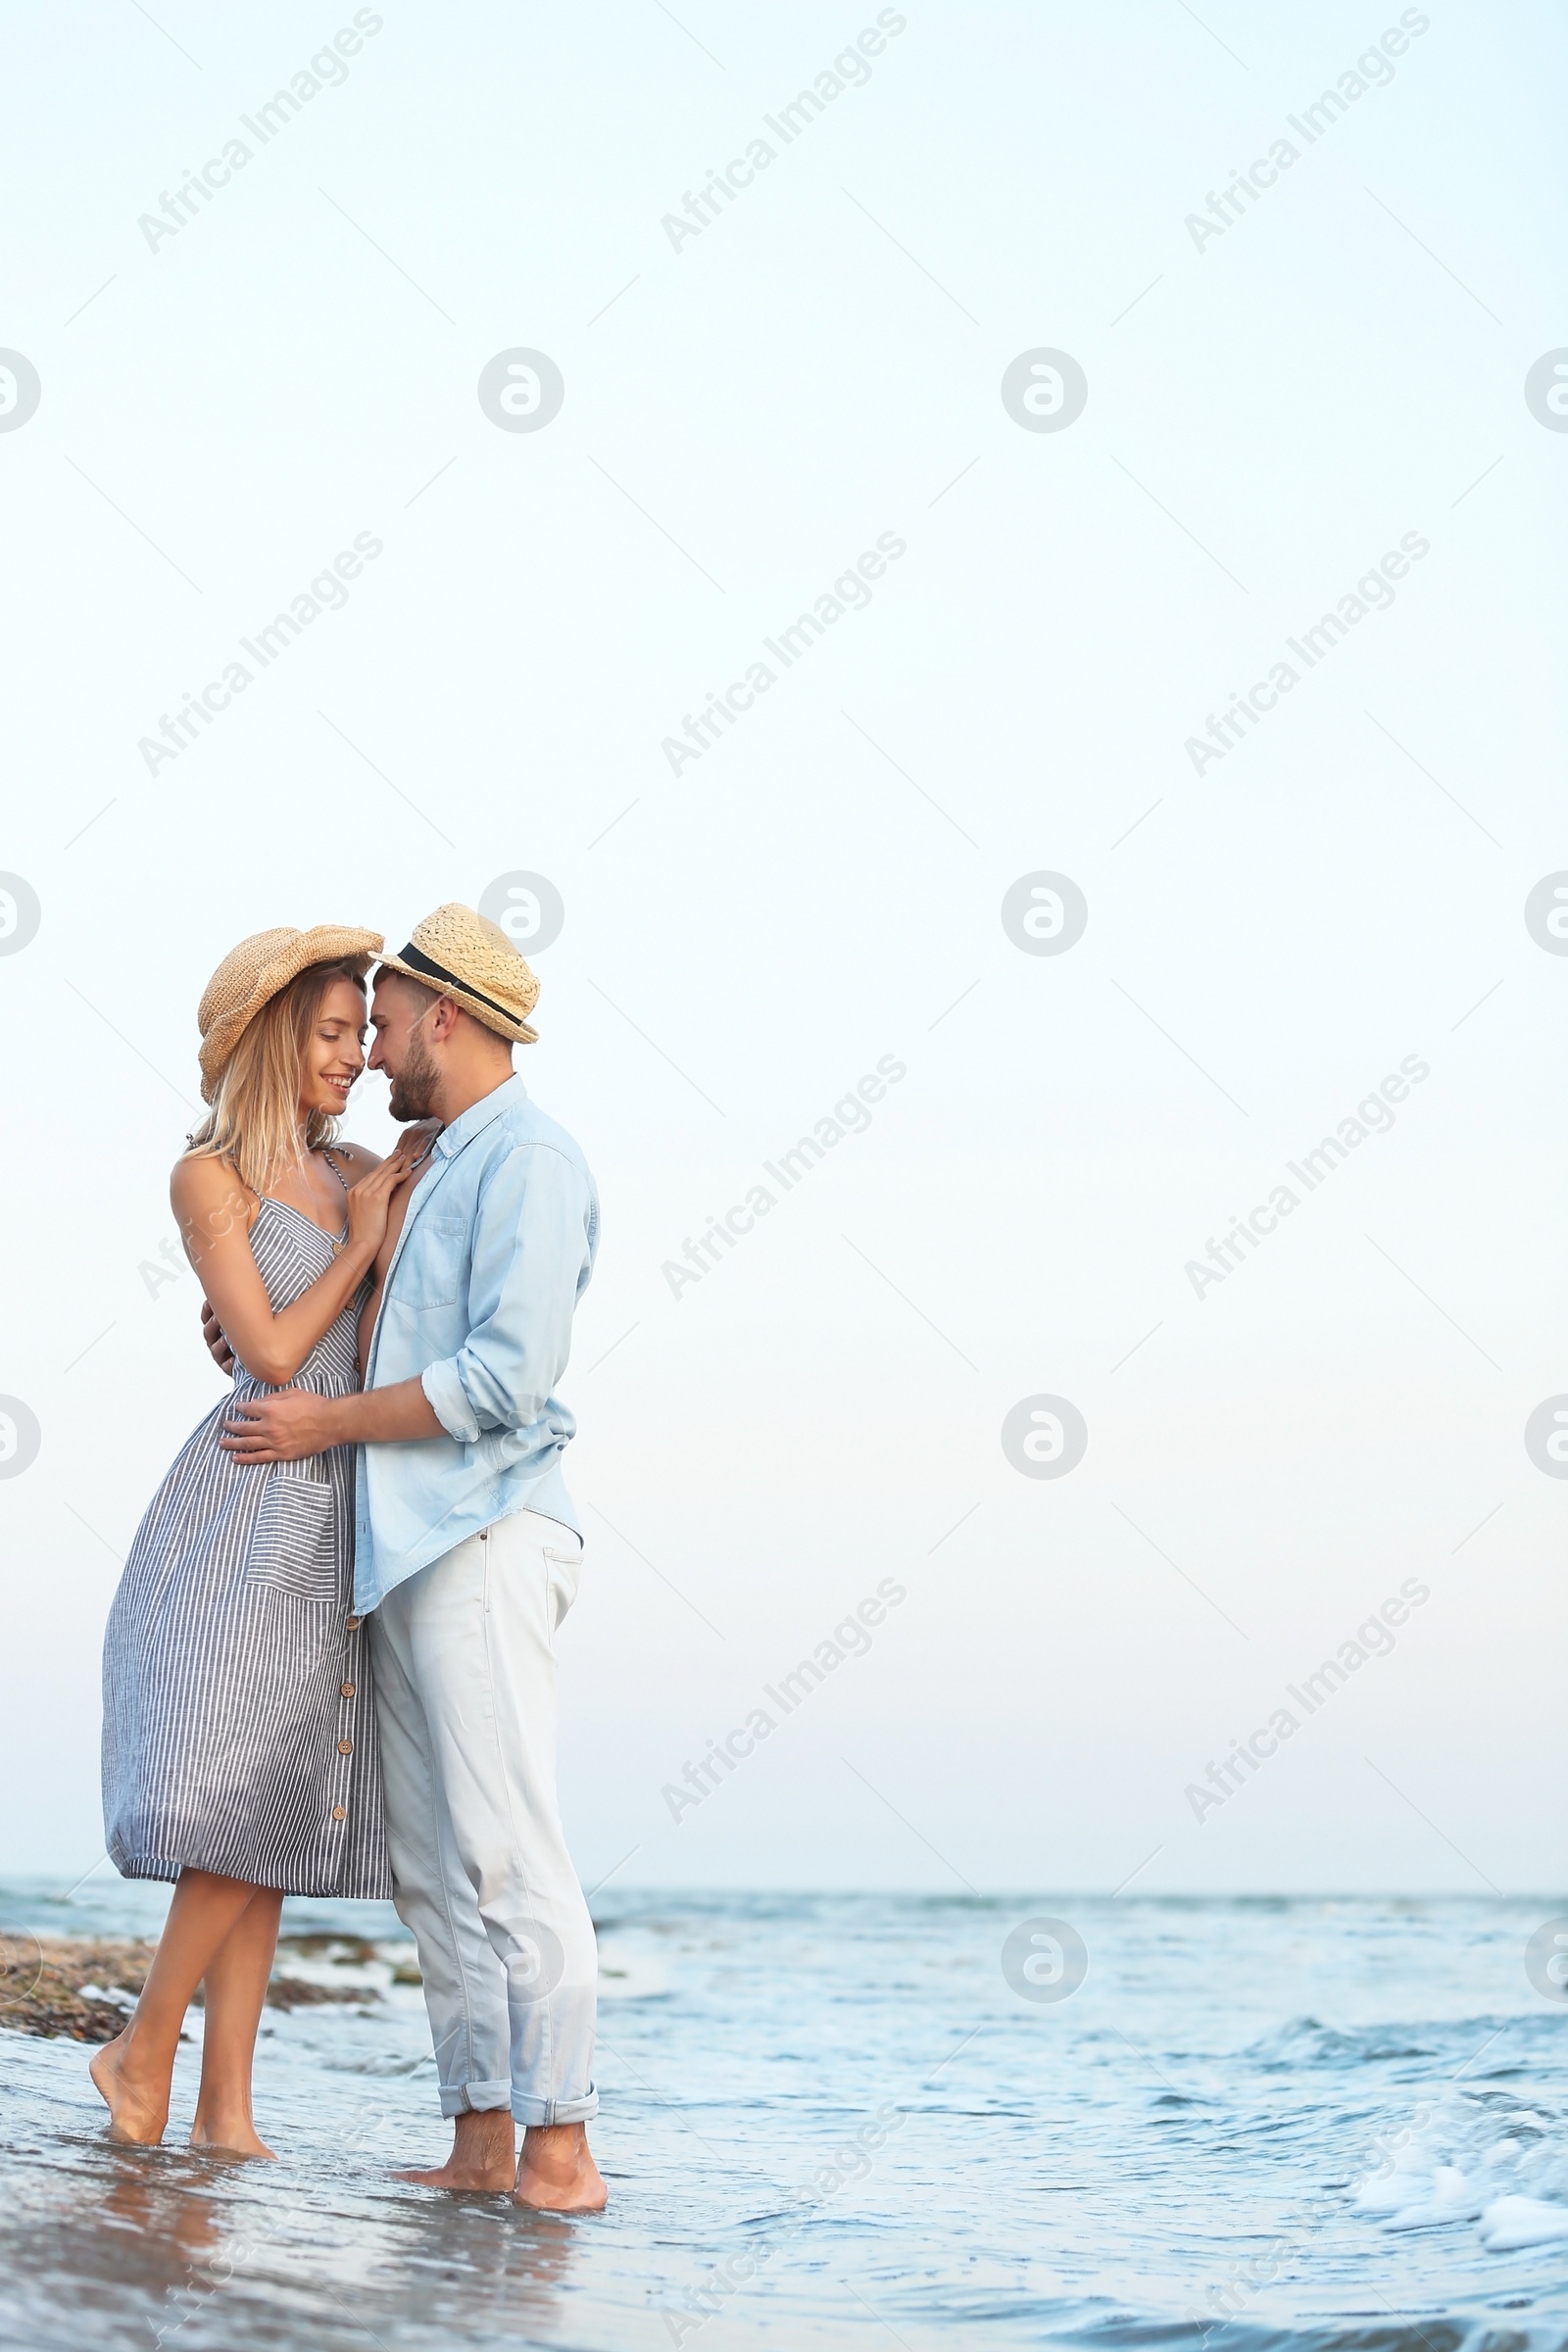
<point x="328" y="1669"/>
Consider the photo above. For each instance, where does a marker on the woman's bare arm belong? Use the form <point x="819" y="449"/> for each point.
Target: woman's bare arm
<point x="216" y="1212"/>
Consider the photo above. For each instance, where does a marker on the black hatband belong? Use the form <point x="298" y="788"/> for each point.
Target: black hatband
<point x="428" y="969"/>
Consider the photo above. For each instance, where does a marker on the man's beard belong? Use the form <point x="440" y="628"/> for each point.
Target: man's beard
<point x="413" y="1089"/>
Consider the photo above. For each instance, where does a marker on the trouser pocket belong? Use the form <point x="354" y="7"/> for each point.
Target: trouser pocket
<point x="564" y="1569"/>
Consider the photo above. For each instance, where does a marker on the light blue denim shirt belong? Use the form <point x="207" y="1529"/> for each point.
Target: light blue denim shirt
<point x="496" y="1248"/>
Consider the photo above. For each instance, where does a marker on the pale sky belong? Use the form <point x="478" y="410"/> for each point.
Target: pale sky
<point x="1307" y="400"/>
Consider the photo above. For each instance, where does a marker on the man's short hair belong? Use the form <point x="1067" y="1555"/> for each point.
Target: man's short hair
<point x="424" y="997"/>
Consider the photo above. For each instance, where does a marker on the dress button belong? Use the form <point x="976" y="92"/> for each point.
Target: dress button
<point x="347" y="1689"/>
<point x="353" y="1625"/>
<point x="345" y="1747"/>
<point x="340" y="1812"/>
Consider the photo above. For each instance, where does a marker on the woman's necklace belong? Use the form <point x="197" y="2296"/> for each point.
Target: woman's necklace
<point x="340" y="1242"/>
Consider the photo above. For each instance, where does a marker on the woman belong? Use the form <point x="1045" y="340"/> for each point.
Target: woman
<point x="239" y="1732"/>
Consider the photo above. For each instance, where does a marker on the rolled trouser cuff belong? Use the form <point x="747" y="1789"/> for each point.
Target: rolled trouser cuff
<point x="474" y="2098"/>
<point x="529" y="2111"/>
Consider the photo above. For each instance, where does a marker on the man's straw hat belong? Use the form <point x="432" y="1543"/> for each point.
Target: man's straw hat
<point x="252" y="974"/>
<point x="463" y="956"/>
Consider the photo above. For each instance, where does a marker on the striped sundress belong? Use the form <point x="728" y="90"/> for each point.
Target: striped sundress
<point x="239" y="1723"/>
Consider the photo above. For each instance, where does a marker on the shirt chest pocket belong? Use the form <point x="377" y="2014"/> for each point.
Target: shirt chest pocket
<point x="433" y="1267"/>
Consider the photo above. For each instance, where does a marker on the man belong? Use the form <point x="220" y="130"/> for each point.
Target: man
<point x="469" y="1553"/>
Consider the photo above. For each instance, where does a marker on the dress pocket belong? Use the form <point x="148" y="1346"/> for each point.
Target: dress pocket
<point x="294" y="1542"/>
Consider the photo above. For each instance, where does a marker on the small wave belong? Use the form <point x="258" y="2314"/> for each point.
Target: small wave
<point x="1308" y="2041"/>
<point x="1481" y="2158"/>
<point x="1511" y="2223"/>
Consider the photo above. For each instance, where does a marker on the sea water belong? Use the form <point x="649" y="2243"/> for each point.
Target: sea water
<point x="834" y="2118"/>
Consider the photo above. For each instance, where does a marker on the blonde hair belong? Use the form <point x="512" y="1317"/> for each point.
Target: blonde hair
<point x="254" y="1123"/>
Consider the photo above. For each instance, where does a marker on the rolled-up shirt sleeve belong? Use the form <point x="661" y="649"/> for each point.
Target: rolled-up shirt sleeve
<point x="532" y="1249"/>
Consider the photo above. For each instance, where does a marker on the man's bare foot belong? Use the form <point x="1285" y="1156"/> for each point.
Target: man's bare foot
<point x="556" y="2172"/>
<point x="228" y="2135"/>
<point x="484" y="2150"/>
<point x="137" y="2113"/>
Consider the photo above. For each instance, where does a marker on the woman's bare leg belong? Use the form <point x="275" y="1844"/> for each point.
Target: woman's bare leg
<point x="236" y="1988"/>
<point x="133" y="2071"/>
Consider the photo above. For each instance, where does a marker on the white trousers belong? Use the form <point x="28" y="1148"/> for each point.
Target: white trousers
<point x="466" y="1698"/>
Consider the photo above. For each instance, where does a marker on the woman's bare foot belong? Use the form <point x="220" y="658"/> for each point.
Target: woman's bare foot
<point x="484" y="2152"/>
<point x="137" y="2112"/>
<point x="228" y="2135"/>
<point x="556" y="2173"/>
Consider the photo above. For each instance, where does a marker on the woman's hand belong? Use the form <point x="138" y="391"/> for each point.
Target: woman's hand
<point x="215" y="1215"/>
<point x="370" y="1200"/>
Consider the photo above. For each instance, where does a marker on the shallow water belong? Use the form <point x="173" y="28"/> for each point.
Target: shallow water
<point x="1304" y="2123"/>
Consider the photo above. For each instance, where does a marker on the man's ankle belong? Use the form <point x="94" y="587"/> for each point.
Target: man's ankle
<point x="479" y="2130"/>
<point x="556" y="2173"/>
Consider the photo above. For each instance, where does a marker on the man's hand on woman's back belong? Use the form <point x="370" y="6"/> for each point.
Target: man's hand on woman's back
<point x="217" y="1347"/>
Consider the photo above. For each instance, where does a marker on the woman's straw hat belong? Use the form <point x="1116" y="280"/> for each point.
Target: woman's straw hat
<point x="463" y="956"/>
<point x="252" y="974"/>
